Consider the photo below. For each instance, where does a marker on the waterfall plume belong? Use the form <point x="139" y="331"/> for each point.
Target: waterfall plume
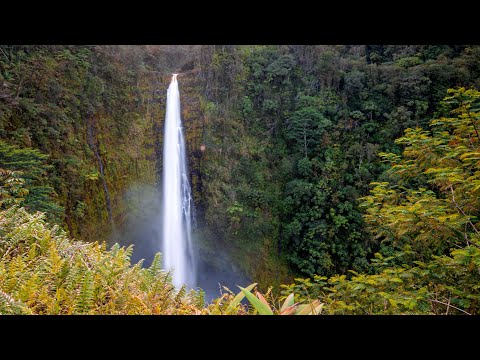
<point x="177" y="199"/>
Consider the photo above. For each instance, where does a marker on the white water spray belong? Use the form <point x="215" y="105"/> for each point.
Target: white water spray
<point x="177" y="199"/>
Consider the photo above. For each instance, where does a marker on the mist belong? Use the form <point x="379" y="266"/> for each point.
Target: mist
<point x="142" y="228"/>
<point x="142" y="225"/>
<point x="213" y="275"/>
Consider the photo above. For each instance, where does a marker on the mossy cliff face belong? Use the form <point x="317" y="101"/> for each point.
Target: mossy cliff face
<point x="191" y="98"/>
<point x="239" y="232"/>
<point x="98" y="111"/>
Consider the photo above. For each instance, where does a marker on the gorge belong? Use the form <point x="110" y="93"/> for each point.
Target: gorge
<point x="281" y="166"/>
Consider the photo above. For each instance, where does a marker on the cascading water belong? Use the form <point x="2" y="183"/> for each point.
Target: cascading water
<point x="177" y="199"/>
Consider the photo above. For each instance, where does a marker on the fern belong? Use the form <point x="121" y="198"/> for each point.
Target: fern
<point x="86" y="295"/>
<point x="199" y="298"/>
<point x="10" y="306"/>
<point x="128" y="253"/>
<point x="42" y="271"/>
<point x="28" y="290"/>
<point x="181" y="294"/>
<point x="156" y="266"/>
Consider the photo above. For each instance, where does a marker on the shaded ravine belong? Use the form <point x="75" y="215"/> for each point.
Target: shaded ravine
<point x="142" y="224"/>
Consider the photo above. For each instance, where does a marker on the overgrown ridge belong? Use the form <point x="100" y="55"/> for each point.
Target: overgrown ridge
<point x="293" y="136"/>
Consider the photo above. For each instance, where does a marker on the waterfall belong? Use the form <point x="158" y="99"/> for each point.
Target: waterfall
<point x="177" y="200"/>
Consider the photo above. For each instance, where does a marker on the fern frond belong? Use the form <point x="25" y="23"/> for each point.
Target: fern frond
<point x="156" y="266"/>
<point x="85" y="297"/>
<point x="10" y="306"/>
<point x="199" y="298"/>
<point x="128" y="253"/>
<point x="181" y="293"/>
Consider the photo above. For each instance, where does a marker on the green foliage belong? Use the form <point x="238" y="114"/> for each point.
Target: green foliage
<point x="227" y="304"/>
<point x="31" y="165"/>
<point x="428" y="213"/>
<point x="12" y="189"/>
<point x="258" y="302"/>
<point x="239" y="297"/>
<point x="9" y="305"/>
<point x="433" y="199"/>
<point x="305" y="129"/>
<point x="295" y="137"/>
<point x="42" y="271"/>
<point x="409" y="61"/>
<point x="261" y="305"/>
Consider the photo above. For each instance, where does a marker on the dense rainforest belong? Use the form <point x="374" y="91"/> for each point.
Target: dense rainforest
<point x="340" y="179"/>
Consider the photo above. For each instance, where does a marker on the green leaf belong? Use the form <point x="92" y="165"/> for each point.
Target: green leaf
<point x="239" y="297"/>
<point x="289" y="301"/>
<point x="257" y="304"/>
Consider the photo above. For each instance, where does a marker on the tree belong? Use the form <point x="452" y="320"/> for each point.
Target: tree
<point x="34" y="174"/>
<point x="306" y="126"/>
<point x="432" y="198"/>
<point x="426" y="217"/>
<point x="12" y="189"/>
